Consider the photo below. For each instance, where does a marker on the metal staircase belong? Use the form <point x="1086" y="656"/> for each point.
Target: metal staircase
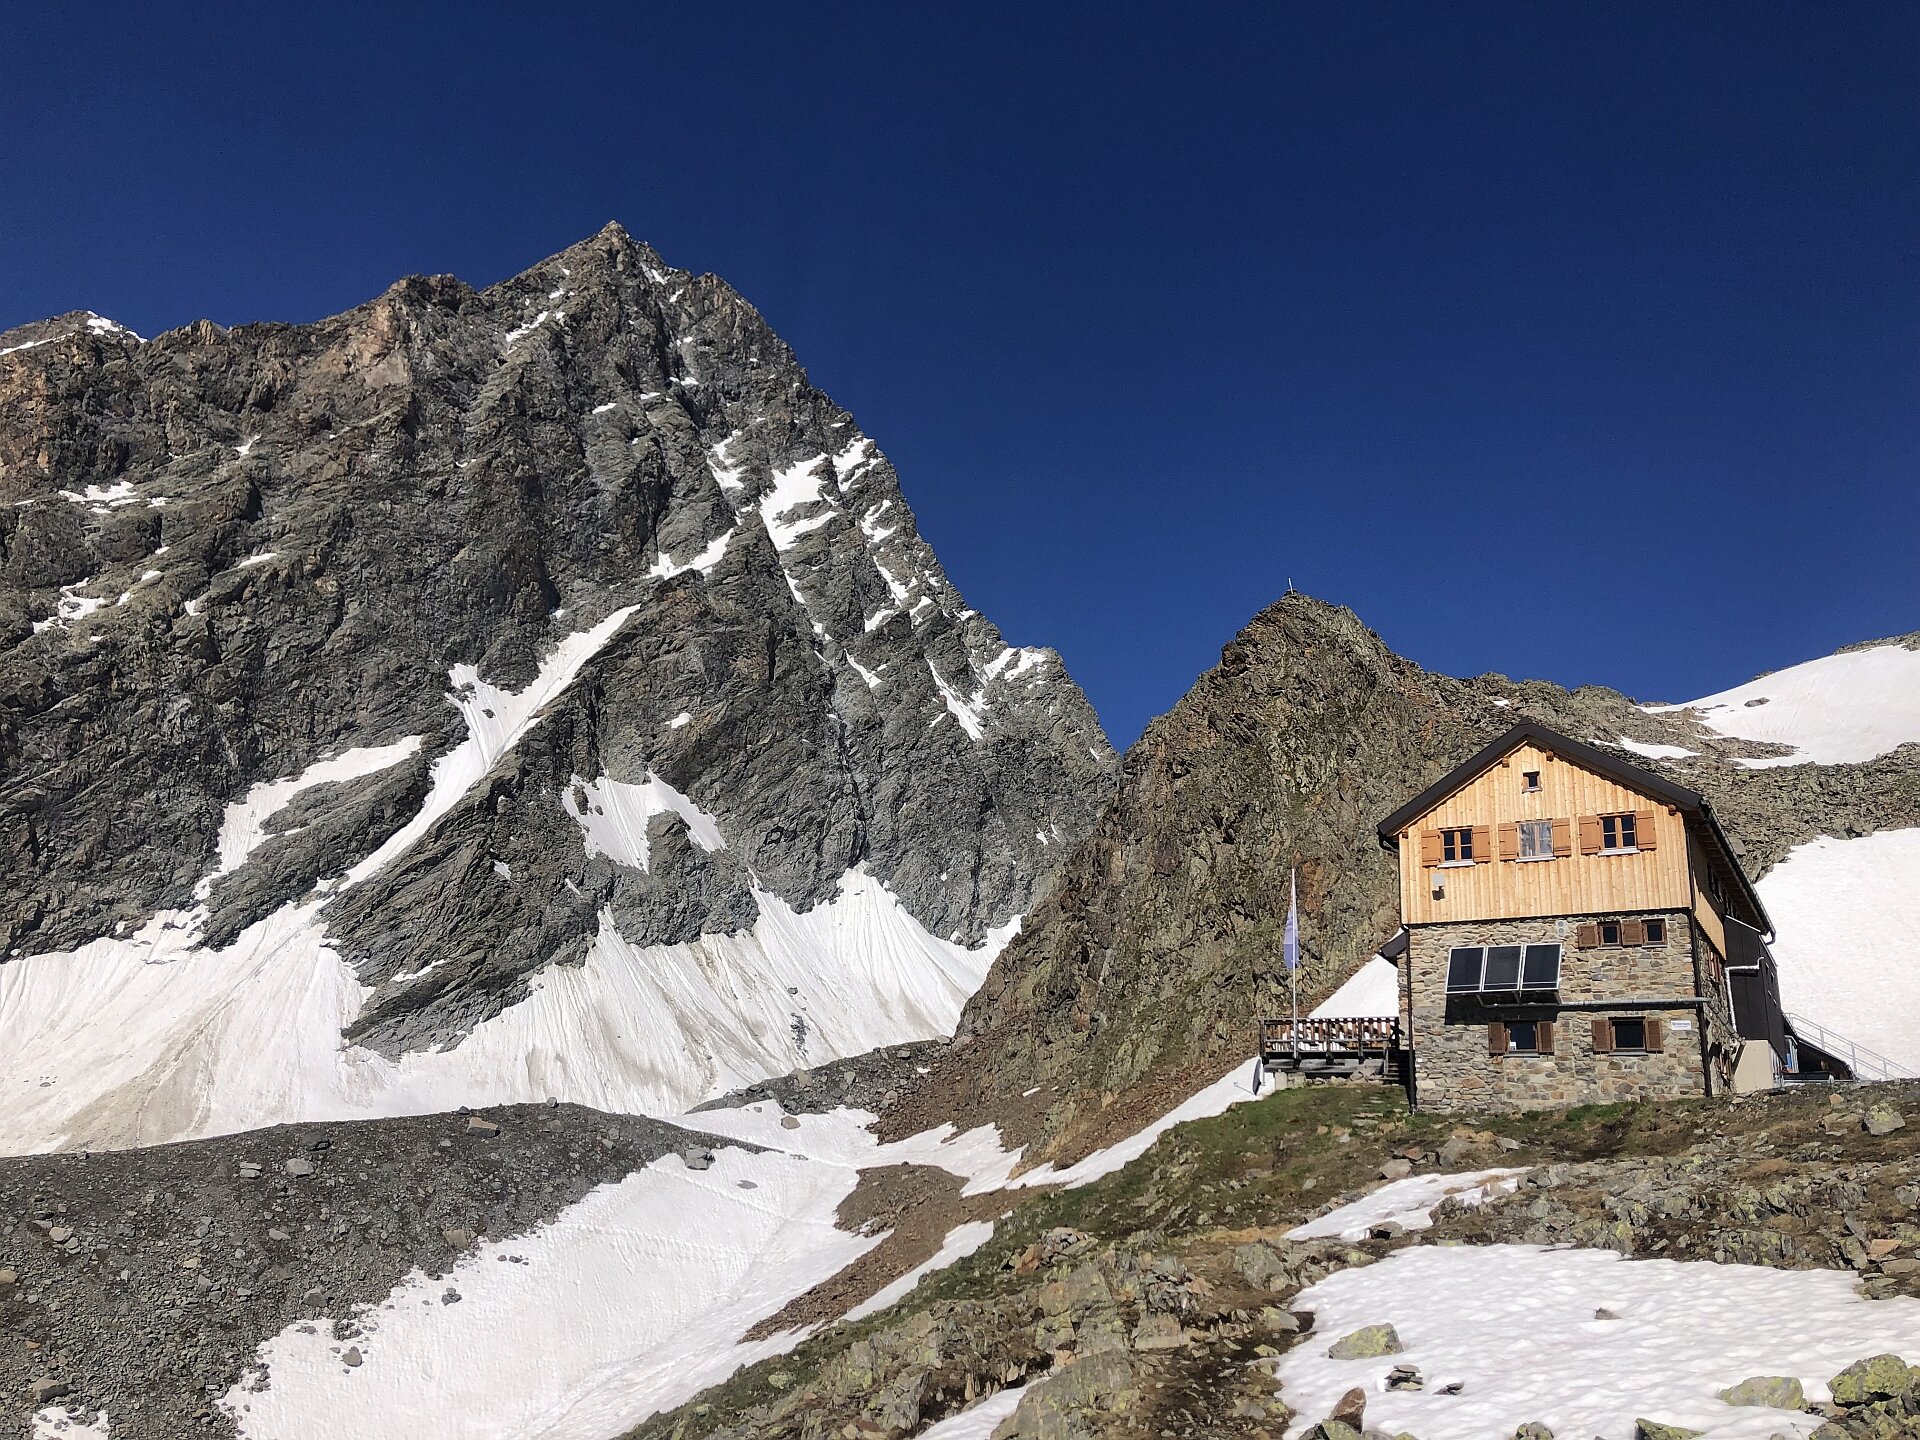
<point x="1865" y="1064"/>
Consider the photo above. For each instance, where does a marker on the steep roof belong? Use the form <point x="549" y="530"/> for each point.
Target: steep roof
<point x="1644" y="782"/>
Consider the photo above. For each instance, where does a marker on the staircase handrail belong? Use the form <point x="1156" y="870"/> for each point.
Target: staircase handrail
<point x="1864" y="1063"/>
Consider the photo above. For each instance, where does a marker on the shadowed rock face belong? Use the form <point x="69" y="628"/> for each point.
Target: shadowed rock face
<point x="1140" y="975"/>
<point x="226" y="555"/>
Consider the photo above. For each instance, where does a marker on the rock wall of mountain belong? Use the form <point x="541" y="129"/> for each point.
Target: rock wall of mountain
<point x="227" y="556"/>
<point x="1141" y="975"/>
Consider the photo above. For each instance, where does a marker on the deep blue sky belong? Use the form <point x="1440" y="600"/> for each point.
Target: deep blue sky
<point x="1570" y="340"/>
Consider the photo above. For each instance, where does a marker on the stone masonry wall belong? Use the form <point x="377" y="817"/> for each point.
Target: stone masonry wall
<point x="1454" y="1071"/>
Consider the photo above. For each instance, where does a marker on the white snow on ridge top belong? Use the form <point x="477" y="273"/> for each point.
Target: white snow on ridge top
<point x="613" y="816"/>
<point x="1847" y="917"/>
<point x="1514" y="1325"/>
<point x="1834" y="710"/>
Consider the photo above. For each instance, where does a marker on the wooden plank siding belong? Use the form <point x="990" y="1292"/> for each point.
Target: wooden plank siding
<point x="1573" y="884"/>
<point x="1708" y="913"/>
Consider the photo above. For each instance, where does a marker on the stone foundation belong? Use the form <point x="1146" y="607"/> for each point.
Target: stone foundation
<point x="1453" y="1069"/>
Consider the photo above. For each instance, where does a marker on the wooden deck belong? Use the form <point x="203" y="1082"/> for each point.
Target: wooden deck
<point x="1333" y="1047"/>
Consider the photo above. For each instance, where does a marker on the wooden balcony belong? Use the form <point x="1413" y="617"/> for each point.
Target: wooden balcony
<point x="1334" y="1046"/>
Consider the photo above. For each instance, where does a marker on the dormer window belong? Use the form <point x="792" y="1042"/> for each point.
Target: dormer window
<point x="1529" y="782"/>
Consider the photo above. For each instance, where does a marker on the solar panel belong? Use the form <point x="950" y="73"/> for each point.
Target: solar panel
<point x="1463" y="969"/>
<point x="1503" y="968"/>
<point x="1542" y="968"/>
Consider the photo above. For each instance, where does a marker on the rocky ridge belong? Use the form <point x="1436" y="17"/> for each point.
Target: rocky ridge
<point x="1134" y="980"/>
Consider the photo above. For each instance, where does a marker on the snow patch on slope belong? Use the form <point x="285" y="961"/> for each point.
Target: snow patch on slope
<point x="495" y="721"/>
<point x="1373" y="989"/>
<point x="1408" y="1202"/>
<point x="1834" y="710"/>
<point x="664" y="567"/>
<point x="1515" y="1325"/>
<point x="150" y="1038"/>
<point x="613" y="816"/>
<point x="628" y="1303"/>
<point x="1847" y="917"/>
<point x="244" y="826"/>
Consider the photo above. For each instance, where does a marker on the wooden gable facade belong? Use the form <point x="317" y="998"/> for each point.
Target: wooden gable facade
<point x="1531" y="777"/>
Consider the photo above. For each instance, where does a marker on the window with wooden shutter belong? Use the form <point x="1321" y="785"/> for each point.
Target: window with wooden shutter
<point x="1653" y="932"/>
<point x="1543" y="1036"/>
<point x="1482" y="845"/>
<point x="1429" y="847"/>
<point x="1589" y="834"/>
<point x="1586" y="937"/>
<point x="1655" y="1040"/>
<point x="1510" y="841"/>
<point x="1496" y="1038"/>
<point x="1633" y="932"/>
<point x="1562" y="838"/>
<point x="1648" y="837"/>
<point x="1536" y="839"/>
<point x="1602" y="1036"/>
<point x="1619" y="832"/>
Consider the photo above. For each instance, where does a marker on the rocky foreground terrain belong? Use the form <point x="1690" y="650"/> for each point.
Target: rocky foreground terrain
<point x="141" y="1282"/>
<point x="1155" y="1302"/>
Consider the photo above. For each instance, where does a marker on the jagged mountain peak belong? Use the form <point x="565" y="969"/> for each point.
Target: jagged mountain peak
<point x="483" y="638"/>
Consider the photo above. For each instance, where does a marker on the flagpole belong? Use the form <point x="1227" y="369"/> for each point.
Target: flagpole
<point x="1293" y="968"/>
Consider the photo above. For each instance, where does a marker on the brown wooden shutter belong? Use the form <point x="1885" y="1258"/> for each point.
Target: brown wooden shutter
<point x="1645" y="836"/>
<point x="1602" y="1036"/>
<point x="1589" y="834"/>
<point x="1633" y="932"/>
<point x="1563" y="837"/>
<point x="1483" y="845"/>
<point x="1544" y="1030"/>
<point x="1510" y="841"/>
<point x="1586" y="937"/>
<point x="1654" y="1045"/>
<point x="1429" y="847"/>
<point x="1497" y="1038"/>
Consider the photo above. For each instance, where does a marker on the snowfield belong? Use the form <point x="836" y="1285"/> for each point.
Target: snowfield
<point x="633" y="1300"/>
<point x="1408" y="1202"/>
<point x="152" y="1038"/>
<point x="630" y="1302"/>
<point x="1833" y="710"/>
<point x="1516" y="1326"/>
<point x="1847" y="913"/>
